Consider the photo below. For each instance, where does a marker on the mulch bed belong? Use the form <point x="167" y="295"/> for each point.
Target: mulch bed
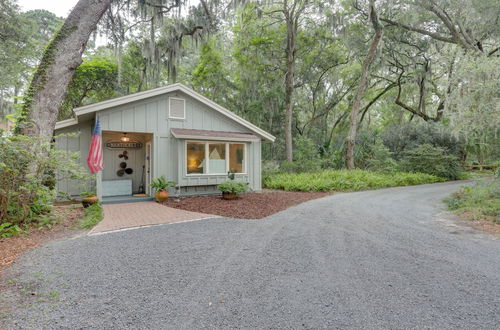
<point x="248" y="206"/>
<point x="12" y="247"/>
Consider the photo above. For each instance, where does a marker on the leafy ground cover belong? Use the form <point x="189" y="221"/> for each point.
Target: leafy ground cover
<point x="63" y="224"/>
<point x="478" y="202"/>
<point x="344" y="180"/>
<point x="92" y="216"/>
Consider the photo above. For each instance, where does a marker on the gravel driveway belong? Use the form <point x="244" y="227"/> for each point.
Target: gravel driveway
<point x="374" y="259"/>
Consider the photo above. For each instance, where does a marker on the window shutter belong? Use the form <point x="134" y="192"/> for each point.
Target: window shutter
<point x="177" y="108"/>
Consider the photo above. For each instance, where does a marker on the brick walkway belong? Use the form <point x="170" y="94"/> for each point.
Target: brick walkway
<point x="132" y="215"/>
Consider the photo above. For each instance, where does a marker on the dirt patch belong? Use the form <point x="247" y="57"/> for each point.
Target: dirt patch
<point x="248" y="206"/>
<point x="484" y="224"/>
<point x="13" y="247"/>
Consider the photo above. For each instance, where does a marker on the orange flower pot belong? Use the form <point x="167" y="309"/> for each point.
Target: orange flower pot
<point x="161" y="196"/>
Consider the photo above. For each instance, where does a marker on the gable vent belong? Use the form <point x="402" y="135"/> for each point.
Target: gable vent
<point x="177" y="108"/>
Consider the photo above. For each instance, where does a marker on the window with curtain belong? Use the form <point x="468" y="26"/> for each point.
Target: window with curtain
<point x="195" y="158"/>
<point x="215" y="157"/>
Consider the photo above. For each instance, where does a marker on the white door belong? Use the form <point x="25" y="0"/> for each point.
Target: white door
<point x="148" y="167"/>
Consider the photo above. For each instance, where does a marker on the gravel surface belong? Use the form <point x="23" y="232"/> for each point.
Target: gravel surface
<point x="377" y="259"/>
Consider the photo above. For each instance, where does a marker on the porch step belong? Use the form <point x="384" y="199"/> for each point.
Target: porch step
<point x="125" y="199"/>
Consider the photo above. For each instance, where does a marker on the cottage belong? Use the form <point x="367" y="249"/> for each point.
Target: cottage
<point x="171" y="131"/>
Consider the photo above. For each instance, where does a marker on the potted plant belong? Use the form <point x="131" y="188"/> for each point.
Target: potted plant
<point x="89" y="198"/>
<point x="161" y="184"/>
<point x="231" y="189"/>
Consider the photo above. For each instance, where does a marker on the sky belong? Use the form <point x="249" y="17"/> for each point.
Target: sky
<point x="59" y="7"/>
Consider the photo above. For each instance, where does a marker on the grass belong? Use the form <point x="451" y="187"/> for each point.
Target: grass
<point x="345" y="180"/>
<point x="92" y="216"/>
<point x="481" y="201"/>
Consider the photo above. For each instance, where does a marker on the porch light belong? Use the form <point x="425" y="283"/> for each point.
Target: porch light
<point x="125" y="138"/>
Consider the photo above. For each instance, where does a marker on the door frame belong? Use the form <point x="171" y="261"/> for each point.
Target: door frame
<point x="148" y="162"/>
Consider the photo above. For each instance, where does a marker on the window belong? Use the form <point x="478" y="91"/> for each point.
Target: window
<point x="217" y="158"/>
<point x="222" y="157"/>
<point x="176" y="108"/>
<point x="195" y="158"/>
<point x="236" y="156"/>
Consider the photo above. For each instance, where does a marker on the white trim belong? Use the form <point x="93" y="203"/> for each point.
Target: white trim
<point x="170" y="107"/>
<point x="163" y="90"/>
<point x="66" y="123"/>
<point x="207" y="159"/>
<point x="213" y="138"/>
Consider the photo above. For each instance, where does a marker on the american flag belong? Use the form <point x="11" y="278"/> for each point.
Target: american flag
<point x="94" y="159"/>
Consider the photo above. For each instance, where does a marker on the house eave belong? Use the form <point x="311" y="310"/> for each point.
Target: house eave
<point x="66" y="123"/>
<point x="159" y="91"/>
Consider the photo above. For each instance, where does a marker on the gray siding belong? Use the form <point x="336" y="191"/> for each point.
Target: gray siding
<point x="151" y="116"/>
<point x="77" y="144"/>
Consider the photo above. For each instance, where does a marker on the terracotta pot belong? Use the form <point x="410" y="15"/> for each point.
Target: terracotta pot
<point x="161" y="195"/>
<point x="89" y="200"/>
<point x="226" y="195"/>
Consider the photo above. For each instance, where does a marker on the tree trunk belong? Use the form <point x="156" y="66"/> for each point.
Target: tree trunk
<point x="63" y="55"/>
<point x="289" y="84"/>
<point x="363" y="82"/>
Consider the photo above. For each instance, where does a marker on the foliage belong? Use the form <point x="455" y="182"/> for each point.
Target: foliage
<point x="480" y="201"/>
<point x="437" y="161"/>
<point x="92" y="215"/>
<point x="380" y="158"/>
<point x="474" y="107"/>
<point x="94" y="80"/>
<point x="306" y="157"/>
<point x="27" y="181"/>
<point x="161" y="183"/>
<point x="233" y="187"/>
<point x="8" y="229"/>
<point x="209" y="76"/>
<point x="345" y="180"/>
<point x="401" y="138"/>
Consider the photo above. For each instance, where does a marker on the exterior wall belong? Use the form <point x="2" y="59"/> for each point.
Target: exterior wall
<point x="79" y="143"/>
<point x="151" y="116"/>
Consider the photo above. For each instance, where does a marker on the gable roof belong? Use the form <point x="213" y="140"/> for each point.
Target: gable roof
<point x="87" y="109"/>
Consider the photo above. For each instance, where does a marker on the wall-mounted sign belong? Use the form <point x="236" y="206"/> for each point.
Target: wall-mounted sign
<point x="117" y="144"/>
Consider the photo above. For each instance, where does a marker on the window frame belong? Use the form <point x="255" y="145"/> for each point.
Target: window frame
<point x="206" y="168"/>
<point x="170" y="108"/>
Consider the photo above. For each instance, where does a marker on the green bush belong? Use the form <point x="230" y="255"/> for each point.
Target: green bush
<point x="344" y="180"/>
<point x="233" y="187"/>
<point x="480" y="201"/>
<point x="380" y="158"/>
<point x="27" y="181"/>
<point x="8" y="229"/>
<point x="402" y="138"/>
<point x="161" y="183"/>
<point x="92" y="216"/>
<point x="428" y="159"/>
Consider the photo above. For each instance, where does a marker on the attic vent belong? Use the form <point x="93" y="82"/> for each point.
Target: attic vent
<point x="177" y="108"/>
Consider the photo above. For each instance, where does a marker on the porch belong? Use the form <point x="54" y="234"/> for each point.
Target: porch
<point x="127" y="172"/>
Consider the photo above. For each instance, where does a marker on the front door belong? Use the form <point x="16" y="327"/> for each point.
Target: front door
<point x="148" y="167"/>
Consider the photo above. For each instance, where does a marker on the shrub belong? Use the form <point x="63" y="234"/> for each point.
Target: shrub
<point x="161" y="183"/>
<point x="380" y="158"/>
<point x="306" y="157"/>
<point x="402" y="138"/>
<point x="233" y="187"/>
<point x="92" y="216"/>
<point x="431" y="160"/>
<point x="480" y="201"/>
<point x="27" y="179"/>
<point x="344" y="180"/>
